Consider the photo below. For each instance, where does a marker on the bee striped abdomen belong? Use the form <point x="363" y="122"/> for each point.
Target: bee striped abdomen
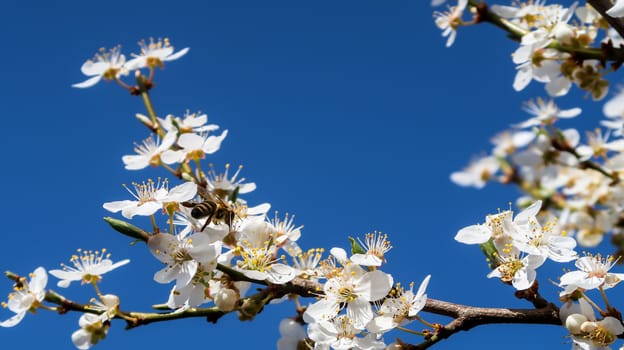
<point x="204" y="209"/>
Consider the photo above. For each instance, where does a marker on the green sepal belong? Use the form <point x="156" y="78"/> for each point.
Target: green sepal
<point x="490" y="253"/>
<point x="234" y="194"/>
<point x="127" y="229"/>
<point x="356" y="248"/>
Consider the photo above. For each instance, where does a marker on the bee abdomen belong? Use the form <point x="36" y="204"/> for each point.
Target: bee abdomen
<point x="203" y="209"/>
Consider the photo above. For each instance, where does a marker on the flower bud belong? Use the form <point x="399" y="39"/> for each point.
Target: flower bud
<point x="563" y="33"/>
<point x="291" y="328"/>
<point x="588" y="326"/>
<point x="226" y="299"/>
<point x="110" y="300"/>
<point x="144" y="119"/>
<point x="574" y="322"/>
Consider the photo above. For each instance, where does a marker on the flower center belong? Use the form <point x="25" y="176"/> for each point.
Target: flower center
<point x="601" y="336"/>
<point x="509" y="268"/>
<point x="181" y="255"/>
<point x="347" y="294"/>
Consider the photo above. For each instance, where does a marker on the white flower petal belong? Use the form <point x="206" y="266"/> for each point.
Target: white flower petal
<point x="617" y="10"/>
<point x="88" y="83"/>
<point x="360" y="312"/>
<point x="181" y="193"/>
<point x="118" y="205"/>
<point x="321" y="310"/>
<point x="177" y="55"/>
<point x="280" y="274"/>
<point x="13" y="320"/>
<point x="474" y="234"/>
<point x="374" y="285"/>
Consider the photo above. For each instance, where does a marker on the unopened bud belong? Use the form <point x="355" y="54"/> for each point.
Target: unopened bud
<point x="226" y="299"/>
<point x="574" y="322"/>
<point x="127" y="229"/>
<point x="110" y="300"/>
<point x="143" y="119"/>
<point x="563" y="33"/>
<point x="588" y="326"/>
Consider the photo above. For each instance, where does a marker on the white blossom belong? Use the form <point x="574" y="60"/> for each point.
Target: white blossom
<point x="108" y="65"/>
<point x="399" y="308"/>
<point x="148" y="152"/>
<point x="449" y="21"/>
<point x="88" y="267"/>
<point x="93" y="328"/>
<point x="182" y="256"/>
<point x="353" y="288"/>
<point x="194" y="146"/>
<point x="477" y="173"/>
<point x="593" y="272"/>
<point x="150" y="197"/>
<point x="26" y="296"/>
<point x="154" y="54"/>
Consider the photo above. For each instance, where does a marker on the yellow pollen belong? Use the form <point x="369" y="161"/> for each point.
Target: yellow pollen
<point x="601" y="336"/>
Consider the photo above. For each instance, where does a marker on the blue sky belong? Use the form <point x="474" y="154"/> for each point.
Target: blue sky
<point x="349" y="114"/>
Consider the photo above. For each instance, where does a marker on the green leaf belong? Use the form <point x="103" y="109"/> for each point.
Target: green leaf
<point x="356" y="248"/>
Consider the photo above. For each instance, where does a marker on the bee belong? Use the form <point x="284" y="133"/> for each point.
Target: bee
<point x="215" y="210"/>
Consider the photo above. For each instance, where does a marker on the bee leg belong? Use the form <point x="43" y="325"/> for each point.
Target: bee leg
<point x="208" y="220"/>
<point x="188" y="204"/>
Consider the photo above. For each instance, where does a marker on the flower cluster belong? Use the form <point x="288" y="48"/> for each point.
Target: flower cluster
<point x="579" y="178"/>
<point x="548" y="35"/>
<point x="213" y="232"/>
<point x="343" y="317"/>
<point x="213" y="245"/>
<point x="89" y="266"/>
<point x="521" y="244"/>
<point x="112" y="64"/>
<point x="573" y="193"/>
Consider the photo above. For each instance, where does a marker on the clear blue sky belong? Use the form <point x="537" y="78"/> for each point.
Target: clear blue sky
<point x="349" y="114"/>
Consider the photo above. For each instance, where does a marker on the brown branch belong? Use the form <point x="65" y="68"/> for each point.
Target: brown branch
<point x="602" y="6"/>
<point x="465" y="317"/>
<point x="468" y="317"/>
<point x="603" y="53"/>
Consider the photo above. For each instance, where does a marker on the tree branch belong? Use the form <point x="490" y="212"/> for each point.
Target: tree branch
<point x="602" y="6"/>
<point x="605" y="53"/>
<point x="468" y="317"/>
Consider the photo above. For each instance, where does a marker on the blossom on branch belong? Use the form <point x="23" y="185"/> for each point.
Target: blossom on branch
<point x="182" y="256"/>
<point x="88" y="267"/>
<point x="148" y="152"/>
<point x="477" y="173"/>
<point x="191" y="122"/>
<point x="517" y="270"/>
<point x="400" y="308"/>
<point x="150" y="197"/>
<point x="341" y="333"/>
<point x="154" y="54"/>
<point x="354" y="289"/>
<point x="193" y="146"/>
<point x="593" y="272"/>
<point x="587" y="332"/>
<point x="108" y="65"/>
<point x="26" y="296"/>
<point x="93" y="328"/>
<point x="450" y="21"/>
